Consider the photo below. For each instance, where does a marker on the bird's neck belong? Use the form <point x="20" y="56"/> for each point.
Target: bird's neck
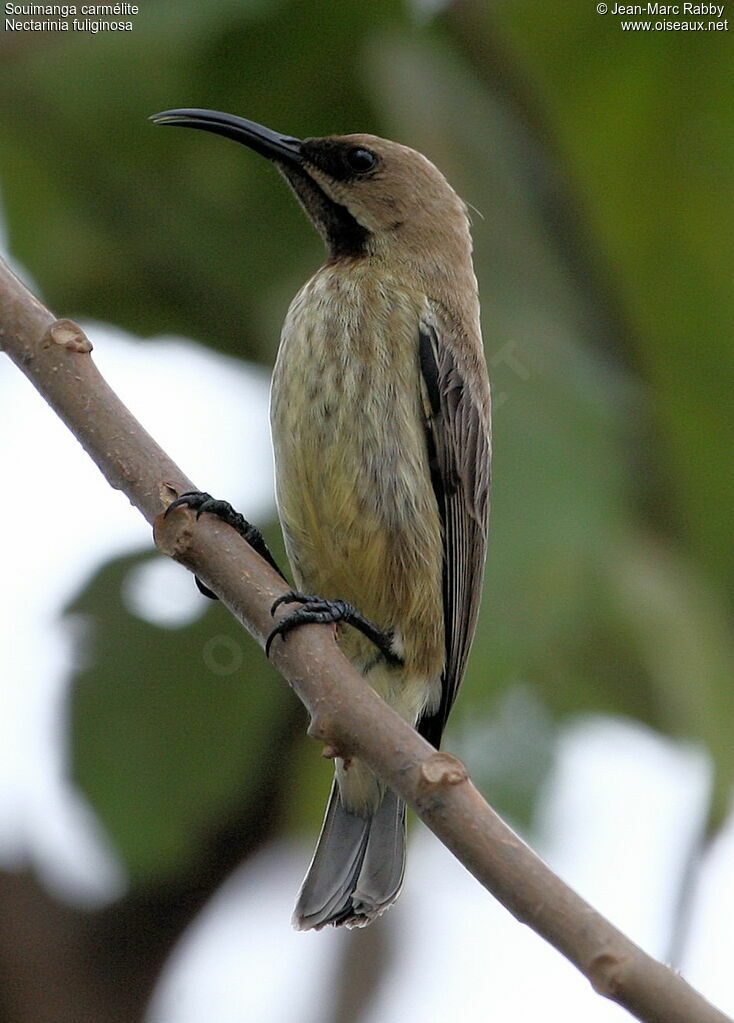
<point x="442" y="270"/>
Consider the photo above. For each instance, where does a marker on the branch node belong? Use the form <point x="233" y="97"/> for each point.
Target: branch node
<point x="167" y="493"/>
<point x="319" y="728"/>
<point x="606" y="973"/>
<point x="441" y="770"/>
<point x="173" y="533"/>
<point x="68" y="335"/>
<point x="322" y="728"/>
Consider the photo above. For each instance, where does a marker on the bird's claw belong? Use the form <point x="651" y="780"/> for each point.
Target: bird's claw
<point x="199" y="501"/>
<point x="320" y="611"/>
<point x="293" y="597"/>
<point x="190" y="499"/>
<point x="315" y="611"/>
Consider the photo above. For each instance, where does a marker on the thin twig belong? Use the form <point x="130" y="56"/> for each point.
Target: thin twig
<point x="346" y="714"/>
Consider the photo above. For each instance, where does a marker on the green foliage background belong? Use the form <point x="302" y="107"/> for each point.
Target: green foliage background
<point x="599" y="164"/>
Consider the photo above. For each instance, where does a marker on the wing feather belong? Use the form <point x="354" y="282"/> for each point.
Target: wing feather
<point x="458" y="439"/>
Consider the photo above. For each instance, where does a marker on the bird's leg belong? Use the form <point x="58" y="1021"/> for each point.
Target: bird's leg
<point x="200" y="502"/>
<point x="321" y="611"/>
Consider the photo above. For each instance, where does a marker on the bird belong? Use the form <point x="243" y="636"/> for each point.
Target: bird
<point x="380" y="421"/>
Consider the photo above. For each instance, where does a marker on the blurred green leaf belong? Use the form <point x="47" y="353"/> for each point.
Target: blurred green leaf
<point x="650" y="141"/>
<point x="163" y="231"/>
<point x="174" y="730"/>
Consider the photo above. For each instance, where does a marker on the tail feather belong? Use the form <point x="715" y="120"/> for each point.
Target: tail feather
<point x="357" y="868"/>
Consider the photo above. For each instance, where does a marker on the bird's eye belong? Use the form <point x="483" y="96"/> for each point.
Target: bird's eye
<point x="361" y="160"/>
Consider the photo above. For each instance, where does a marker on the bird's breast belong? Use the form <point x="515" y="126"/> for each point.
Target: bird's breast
<point x="359" y="514"/>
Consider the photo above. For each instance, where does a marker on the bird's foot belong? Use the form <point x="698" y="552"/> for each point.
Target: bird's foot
<point x="201" y="502"/>
<point x="317" y="610"/>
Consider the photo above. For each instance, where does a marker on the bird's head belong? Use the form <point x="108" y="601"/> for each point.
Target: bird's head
<point x="365" y="195"/>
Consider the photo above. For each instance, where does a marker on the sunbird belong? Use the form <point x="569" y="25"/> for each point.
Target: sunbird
<point x="380" y="418"/>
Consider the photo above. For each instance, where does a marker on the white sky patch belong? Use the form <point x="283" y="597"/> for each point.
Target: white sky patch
<point x="708" y="960"/>
<point x="60" y="522"/>
<point x="625" y="805"/>
<point x="159" y="592"/>
<point x="242" y="961"/>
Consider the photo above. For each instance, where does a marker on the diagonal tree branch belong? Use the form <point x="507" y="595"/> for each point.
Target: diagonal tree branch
<point x="347" y="715"/>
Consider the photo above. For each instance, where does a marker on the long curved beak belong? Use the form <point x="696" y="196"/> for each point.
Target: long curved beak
<point x="254" y="136"/>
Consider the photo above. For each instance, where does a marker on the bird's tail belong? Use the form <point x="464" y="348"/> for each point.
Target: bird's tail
<point x="357" y="868"/>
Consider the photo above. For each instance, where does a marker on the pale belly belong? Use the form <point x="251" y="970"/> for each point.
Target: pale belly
<point x="358" y="511"/>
